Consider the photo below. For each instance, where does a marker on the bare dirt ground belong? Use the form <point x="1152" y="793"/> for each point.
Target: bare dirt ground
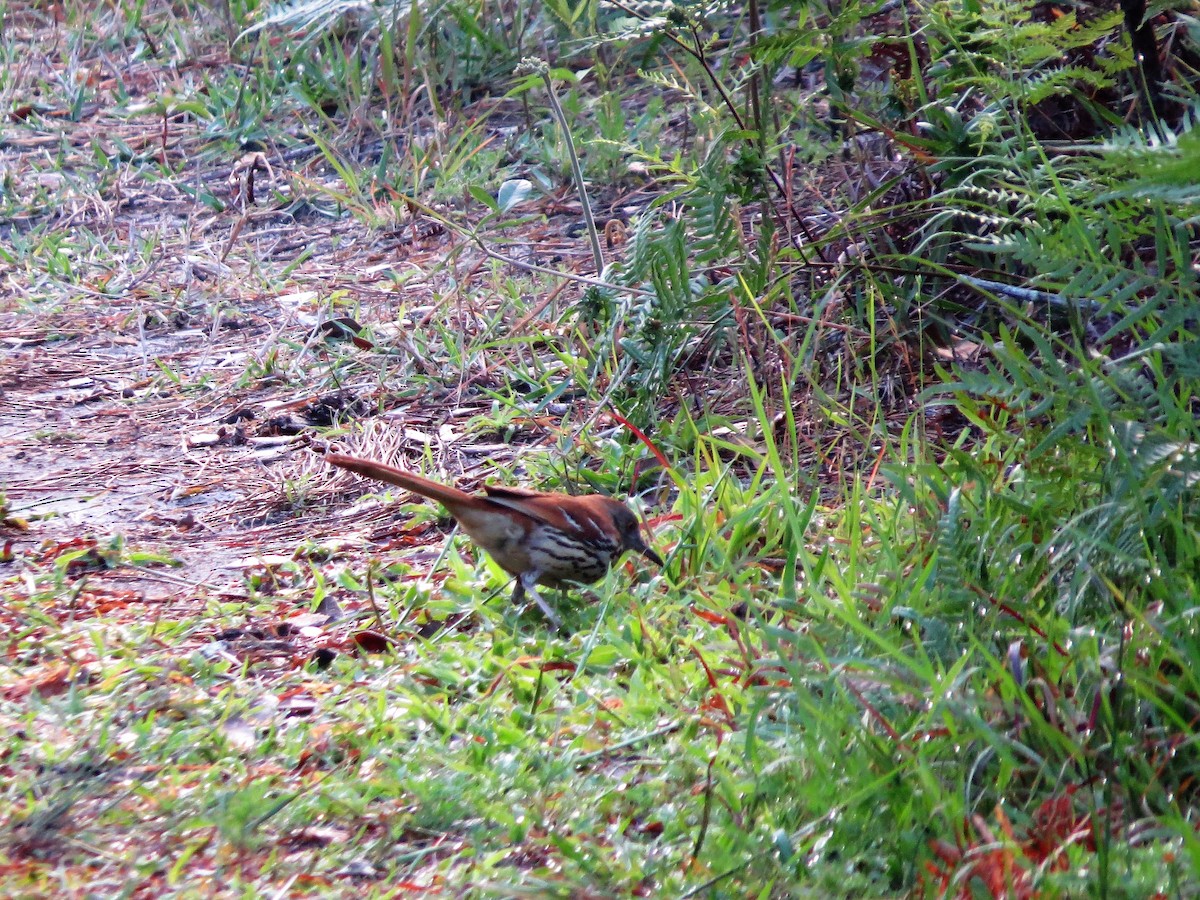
<point x="98" y="443"/>
<point x="159" y="397"/>
<point x="95" y="446"/>
<point x="166" y="398"/>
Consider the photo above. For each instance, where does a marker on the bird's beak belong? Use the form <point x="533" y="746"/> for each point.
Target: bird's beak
<point x="636" y="541"/>
<point x="648" y="553"/>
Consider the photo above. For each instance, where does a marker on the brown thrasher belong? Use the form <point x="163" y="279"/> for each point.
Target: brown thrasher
<point x="548" y="539"/>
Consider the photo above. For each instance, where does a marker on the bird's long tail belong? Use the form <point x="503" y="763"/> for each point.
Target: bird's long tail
<point x="450" y="497"/>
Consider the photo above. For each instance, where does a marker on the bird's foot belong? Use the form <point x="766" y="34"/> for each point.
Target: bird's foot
<point x="527" y="584"/>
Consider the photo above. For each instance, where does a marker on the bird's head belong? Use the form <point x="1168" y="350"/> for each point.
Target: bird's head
<point x="629" y="530"/>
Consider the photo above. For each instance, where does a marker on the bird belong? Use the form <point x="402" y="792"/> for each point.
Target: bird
<point x="539" y="538"/>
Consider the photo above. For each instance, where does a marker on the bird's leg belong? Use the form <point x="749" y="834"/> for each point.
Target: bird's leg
<point x="527" y="584"/>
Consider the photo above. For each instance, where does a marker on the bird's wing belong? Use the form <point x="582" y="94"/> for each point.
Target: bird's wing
<point x="545" y="508"/>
